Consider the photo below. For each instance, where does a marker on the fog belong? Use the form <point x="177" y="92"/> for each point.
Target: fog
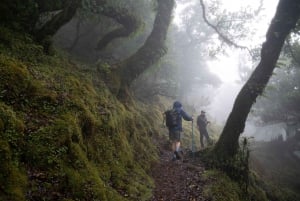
<point x="199" y="69"/>
<point x="202" y="70"/>
<point x="222" y="102"/>
<point x="232" y="66"/>
<point x="272" y="127"/>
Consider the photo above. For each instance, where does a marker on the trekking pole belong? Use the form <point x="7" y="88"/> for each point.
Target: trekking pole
<point x="193" y="142"/>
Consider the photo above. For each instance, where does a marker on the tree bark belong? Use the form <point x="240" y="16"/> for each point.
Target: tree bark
<point x="152" y="50"/>
<point x="52" y="26"/>
<point x="129" y="23"/>
<point x="285" y="19"/>
<point x="48" y="6"/>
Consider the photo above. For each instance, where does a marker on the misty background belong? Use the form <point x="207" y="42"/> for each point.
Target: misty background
<point x="85" y="85"/>
<point x="205" y="72"/>
<point x="199" y="69"/>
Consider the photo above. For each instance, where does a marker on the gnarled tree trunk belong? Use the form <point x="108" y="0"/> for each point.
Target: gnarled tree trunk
<point x="153" y="49"/>
<point x="286" y="17"/>
<point x="51" y="27"/>
<point x="129" y="23"/>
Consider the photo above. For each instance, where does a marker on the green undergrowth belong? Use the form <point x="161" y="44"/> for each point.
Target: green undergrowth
<point x="220" y="187"/>
<point x="234" y="180"/>
<point x="63" y="135"/>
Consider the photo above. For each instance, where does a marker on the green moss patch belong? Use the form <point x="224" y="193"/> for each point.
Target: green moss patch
<point x="64" y="134"/>
<point x="12" y="175"/>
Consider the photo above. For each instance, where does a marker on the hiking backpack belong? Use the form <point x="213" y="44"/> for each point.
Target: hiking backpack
<point x="172" y="118"/>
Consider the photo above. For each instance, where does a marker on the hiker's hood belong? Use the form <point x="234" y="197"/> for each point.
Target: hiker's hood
<point x="177" y="104"/>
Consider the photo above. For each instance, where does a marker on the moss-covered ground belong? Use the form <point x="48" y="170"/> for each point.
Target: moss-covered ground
<point x="63" y="135"/>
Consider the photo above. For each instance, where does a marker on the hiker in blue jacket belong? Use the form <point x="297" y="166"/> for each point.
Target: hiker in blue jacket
<point x="175" y="132"/>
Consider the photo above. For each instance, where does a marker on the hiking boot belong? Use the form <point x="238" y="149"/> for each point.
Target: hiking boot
<point x="174" y="158"/>
<point x="179" y="155"/>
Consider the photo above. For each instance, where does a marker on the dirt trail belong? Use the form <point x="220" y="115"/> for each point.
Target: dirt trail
<point x="177" y="180"/>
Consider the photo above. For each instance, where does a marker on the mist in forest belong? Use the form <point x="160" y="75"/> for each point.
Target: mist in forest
<point x="199" y="68"/>
<point x="205" y="72"/>
<point x="230" y="67"/>
<point x="272" y="128"/>
<point x="101" y="74"/>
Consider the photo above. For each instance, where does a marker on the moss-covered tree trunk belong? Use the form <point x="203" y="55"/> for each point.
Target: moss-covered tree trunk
<point x="152" y="50"/>
<point x="51" y="27"/>
<point x="129" y="22"/>
<point x="286" y="17"/>
<point x="24" y="16"/>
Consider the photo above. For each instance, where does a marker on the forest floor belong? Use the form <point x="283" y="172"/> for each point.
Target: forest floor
<point x="179" y="180"/>
<point x="188" y="180"/>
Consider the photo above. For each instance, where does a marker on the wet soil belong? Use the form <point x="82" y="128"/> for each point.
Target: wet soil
<point x="179" y="180"/>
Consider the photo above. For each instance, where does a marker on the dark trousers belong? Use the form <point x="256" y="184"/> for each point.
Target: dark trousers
<point x="203" y="133"/>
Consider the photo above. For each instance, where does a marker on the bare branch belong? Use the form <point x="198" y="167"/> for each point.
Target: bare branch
<point x="257" y="11"/>
<point x="222" y="36"/>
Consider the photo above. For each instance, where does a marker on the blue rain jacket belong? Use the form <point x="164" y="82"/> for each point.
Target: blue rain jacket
<point x="178" y="107"/>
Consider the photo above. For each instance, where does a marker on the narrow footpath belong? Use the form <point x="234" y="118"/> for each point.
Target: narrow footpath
<point x="179" y="180"/>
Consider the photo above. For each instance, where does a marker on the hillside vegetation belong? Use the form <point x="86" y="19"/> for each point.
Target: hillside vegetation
<point x="64" y="136"/>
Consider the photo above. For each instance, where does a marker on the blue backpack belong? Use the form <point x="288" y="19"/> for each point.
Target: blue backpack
<point x="172" y="118"/>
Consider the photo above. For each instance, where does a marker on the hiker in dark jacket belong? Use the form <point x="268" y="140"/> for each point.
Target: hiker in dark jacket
<point x="202" y="124"/>
<point x="175" y="132"/>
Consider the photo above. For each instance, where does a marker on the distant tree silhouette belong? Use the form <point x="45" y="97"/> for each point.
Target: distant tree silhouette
<point x="152" y="50"/>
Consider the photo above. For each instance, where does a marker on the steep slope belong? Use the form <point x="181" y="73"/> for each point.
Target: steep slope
<point x="63" y="135"/>
<point x="276" y="162"/>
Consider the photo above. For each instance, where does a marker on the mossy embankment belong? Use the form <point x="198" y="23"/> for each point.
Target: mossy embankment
<point x="63" y="135"/>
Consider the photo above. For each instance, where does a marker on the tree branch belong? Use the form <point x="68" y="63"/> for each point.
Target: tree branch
<point x="285" y="19"/>
<point x="293" y="54"/>
<point x="222" y="36"/>
<point x="51" y="27"/>
<point x="129" y="22"/>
